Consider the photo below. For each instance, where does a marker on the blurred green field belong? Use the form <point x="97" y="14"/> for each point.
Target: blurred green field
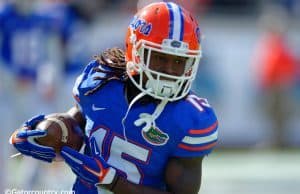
<point x="252" y="172"/>
<point x="224" y="172"/>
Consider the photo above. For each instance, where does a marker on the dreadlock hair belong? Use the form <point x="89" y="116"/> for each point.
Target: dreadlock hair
<point x="114" y="58"/>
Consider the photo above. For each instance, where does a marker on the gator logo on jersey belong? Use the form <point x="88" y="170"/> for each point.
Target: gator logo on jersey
<point x="155" y="136"/>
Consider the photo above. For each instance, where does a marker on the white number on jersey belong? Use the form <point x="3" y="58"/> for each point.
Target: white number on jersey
<point x="122" y="154"/>
<point x="199" y="103"/>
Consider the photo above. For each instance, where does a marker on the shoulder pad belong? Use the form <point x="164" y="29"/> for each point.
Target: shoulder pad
<point x="199" y="131"/>
<point x="93" y="76"/>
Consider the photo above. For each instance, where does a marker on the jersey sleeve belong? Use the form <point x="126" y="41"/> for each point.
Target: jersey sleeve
<point x="200" y="132"/>
<point x="88" y="80"/>
<point x="84" y="82"/>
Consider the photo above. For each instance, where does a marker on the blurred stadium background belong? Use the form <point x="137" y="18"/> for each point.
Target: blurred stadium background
<point x="249" y="72"/>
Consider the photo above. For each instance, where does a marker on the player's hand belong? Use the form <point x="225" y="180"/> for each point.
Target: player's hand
<point x="23" y="140"/>
<point x="92" y="169"/>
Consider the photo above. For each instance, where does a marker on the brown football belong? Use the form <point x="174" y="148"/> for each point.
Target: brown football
<point x="62" y="130"/>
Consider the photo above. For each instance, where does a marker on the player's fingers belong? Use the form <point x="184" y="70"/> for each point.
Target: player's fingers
<point x="36" y="133"/>
<point x="46" y="159"/>
<point x="75" y="165"/>
<point x="34" y="120"/>
<point x="76" y="172"/>
<point x="29" y="150"/>
<point x="15" y="139"/>
<point x="71" y="162"/>
<point x="44" y="154"/>
<point x="71" y="156"/>
<point x="31" y="133"/>
<point x="23" y="151"/>
<point x="38" y="155"/>
<point x="94" y="147"/>
<point x="41" y="148"/>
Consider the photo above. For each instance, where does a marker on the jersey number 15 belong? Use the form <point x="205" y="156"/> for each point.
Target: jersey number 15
<point x="124" y="155"/>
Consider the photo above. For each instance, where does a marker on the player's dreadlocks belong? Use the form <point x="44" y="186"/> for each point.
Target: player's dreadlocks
<point x="115" y="59"/>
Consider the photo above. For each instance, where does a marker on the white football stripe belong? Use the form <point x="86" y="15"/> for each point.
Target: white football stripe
<point x="200" y="140"/>
<point x="64" y="130"/>
<point x="176" y="22"/>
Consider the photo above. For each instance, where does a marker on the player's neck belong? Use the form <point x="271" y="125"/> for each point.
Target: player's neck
<point x="131" y="91"/>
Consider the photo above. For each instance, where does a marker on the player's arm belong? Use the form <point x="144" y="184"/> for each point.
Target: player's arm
<point x="183" y="175"/>
<point x="23" y="138"/>
<point x="123" y="186"/>
<point x="77" y="115"/>
<point x="94" y="170"/>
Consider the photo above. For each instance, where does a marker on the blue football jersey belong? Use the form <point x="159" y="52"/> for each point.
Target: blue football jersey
<point x="24" y="41"/>
<point x="185" y="128"/>
<point x="27" y="40"/>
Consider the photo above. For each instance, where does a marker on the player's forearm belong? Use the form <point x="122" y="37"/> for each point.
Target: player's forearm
<point x="77" y="115"/>
<point x="123" y="186"/>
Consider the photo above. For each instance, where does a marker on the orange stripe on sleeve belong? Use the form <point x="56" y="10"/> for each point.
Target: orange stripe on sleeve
<point x="203" y="131"/>
<point x="208" y="146"/>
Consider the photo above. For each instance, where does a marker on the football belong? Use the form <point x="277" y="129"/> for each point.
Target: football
<point x="62" y="130"/>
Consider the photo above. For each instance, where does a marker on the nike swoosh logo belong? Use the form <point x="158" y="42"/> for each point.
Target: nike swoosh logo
<point x="94" y="108"/>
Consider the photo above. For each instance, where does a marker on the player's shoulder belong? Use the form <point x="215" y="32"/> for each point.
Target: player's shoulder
<point x="85" y="81"/>
<point x="93" y="77"/>
<point x="197" y="126"/>
<point x="195" y="111"/>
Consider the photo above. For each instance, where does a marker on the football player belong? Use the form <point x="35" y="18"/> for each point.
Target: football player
<point x="146" y="131"/>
